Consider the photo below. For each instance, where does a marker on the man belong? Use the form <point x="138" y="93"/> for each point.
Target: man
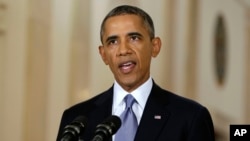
<point x="128" y="45"/>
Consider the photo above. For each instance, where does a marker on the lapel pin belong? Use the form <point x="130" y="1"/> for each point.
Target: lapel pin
<point x="157" y="116"/>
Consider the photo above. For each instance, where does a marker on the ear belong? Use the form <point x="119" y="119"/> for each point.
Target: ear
<point x="103" y="55"/>
<point x="156" y="46"/>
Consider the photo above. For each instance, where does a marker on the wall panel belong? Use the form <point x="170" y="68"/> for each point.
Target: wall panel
<point x="225" y="100"/>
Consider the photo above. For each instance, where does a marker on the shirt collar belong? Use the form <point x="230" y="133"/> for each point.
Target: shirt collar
<point x="140" y="94"/>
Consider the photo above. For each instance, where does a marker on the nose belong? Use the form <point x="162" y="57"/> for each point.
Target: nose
<point x="124" y="49"/>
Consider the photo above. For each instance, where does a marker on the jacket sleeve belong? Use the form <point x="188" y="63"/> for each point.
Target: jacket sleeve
<point x="201" y="127"/>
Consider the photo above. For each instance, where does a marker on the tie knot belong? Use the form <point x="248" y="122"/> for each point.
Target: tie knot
<point x="129" y="100"/>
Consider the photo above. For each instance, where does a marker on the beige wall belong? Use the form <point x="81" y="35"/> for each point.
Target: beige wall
<point x="13" y="63"/>
<point x="227" y="102"/>
<point x="49" y="59"/>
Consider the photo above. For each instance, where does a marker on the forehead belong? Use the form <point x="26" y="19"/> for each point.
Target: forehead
<point x="124" y="22"/>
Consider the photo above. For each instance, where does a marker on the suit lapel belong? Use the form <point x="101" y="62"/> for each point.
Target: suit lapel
<point x="154" y="117"/>
<point x="99" y="112"/>
<point x="104" y="105"/>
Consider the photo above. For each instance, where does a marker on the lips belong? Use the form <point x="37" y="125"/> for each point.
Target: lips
<point x="127" y="67"/>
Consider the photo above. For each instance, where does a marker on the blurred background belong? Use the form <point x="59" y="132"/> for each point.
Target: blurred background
<point x="49" y="59"/>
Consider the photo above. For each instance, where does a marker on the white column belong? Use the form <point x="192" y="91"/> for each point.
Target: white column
<point x="180" y="46"/>
<point x="100" y="76"/>
<point x="58" y="91"/>
<point x="14" y="71"/>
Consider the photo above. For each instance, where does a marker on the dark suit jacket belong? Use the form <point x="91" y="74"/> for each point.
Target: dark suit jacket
<point x="166" y="117"/>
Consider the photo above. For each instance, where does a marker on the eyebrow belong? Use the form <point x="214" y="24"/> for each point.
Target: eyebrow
<point x="114" y="37"/>
<point x="135" y="33"/>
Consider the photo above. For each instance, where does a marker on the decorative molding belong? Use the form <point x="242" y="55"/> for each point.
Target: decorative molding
<point x="3" y="8"/>
<point x="2" y="32"/>
<point x="220" y="50"/>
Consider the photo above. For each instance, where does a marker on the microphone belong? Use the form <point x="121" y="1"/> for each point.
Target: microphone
<point x="107" y="128"/>
<point x="72" y="131"/>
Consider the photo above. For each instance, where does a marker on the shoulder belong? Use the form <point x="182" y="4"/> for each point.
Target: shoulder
<point x="187" y="117"/>
<point x="177" y="103"/>
<point x="89" y="105"/>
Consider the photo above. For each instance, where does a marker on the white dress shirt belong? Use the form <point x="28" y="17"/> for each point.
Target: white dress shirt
<point x="140" y="94"/>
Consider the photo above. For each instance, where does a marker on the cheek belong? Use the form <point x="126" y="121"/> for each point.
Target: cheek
<point x="111" y="60"/>
<point x="145" y="58"/>
<point x="145" y="53"/>
<point x="108" y="57"/>
<point x="105" y="59"/>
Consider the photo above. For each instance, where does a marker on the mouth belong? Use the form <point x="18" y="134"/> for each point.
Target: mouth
<point x="127" y="67"/>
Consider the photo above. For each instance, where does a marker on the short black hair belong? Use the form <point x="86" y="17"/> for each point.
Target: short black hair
<point x="130" y="10"/>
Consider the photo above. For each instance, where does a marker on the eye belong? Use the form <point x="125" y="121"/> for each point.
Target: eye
<point x="112" y="42"/>
<point x="134" y="38"/>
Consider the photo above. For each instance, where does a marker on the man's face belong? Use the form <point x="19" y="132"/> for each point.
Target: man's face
<point x="128" y="49"/>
